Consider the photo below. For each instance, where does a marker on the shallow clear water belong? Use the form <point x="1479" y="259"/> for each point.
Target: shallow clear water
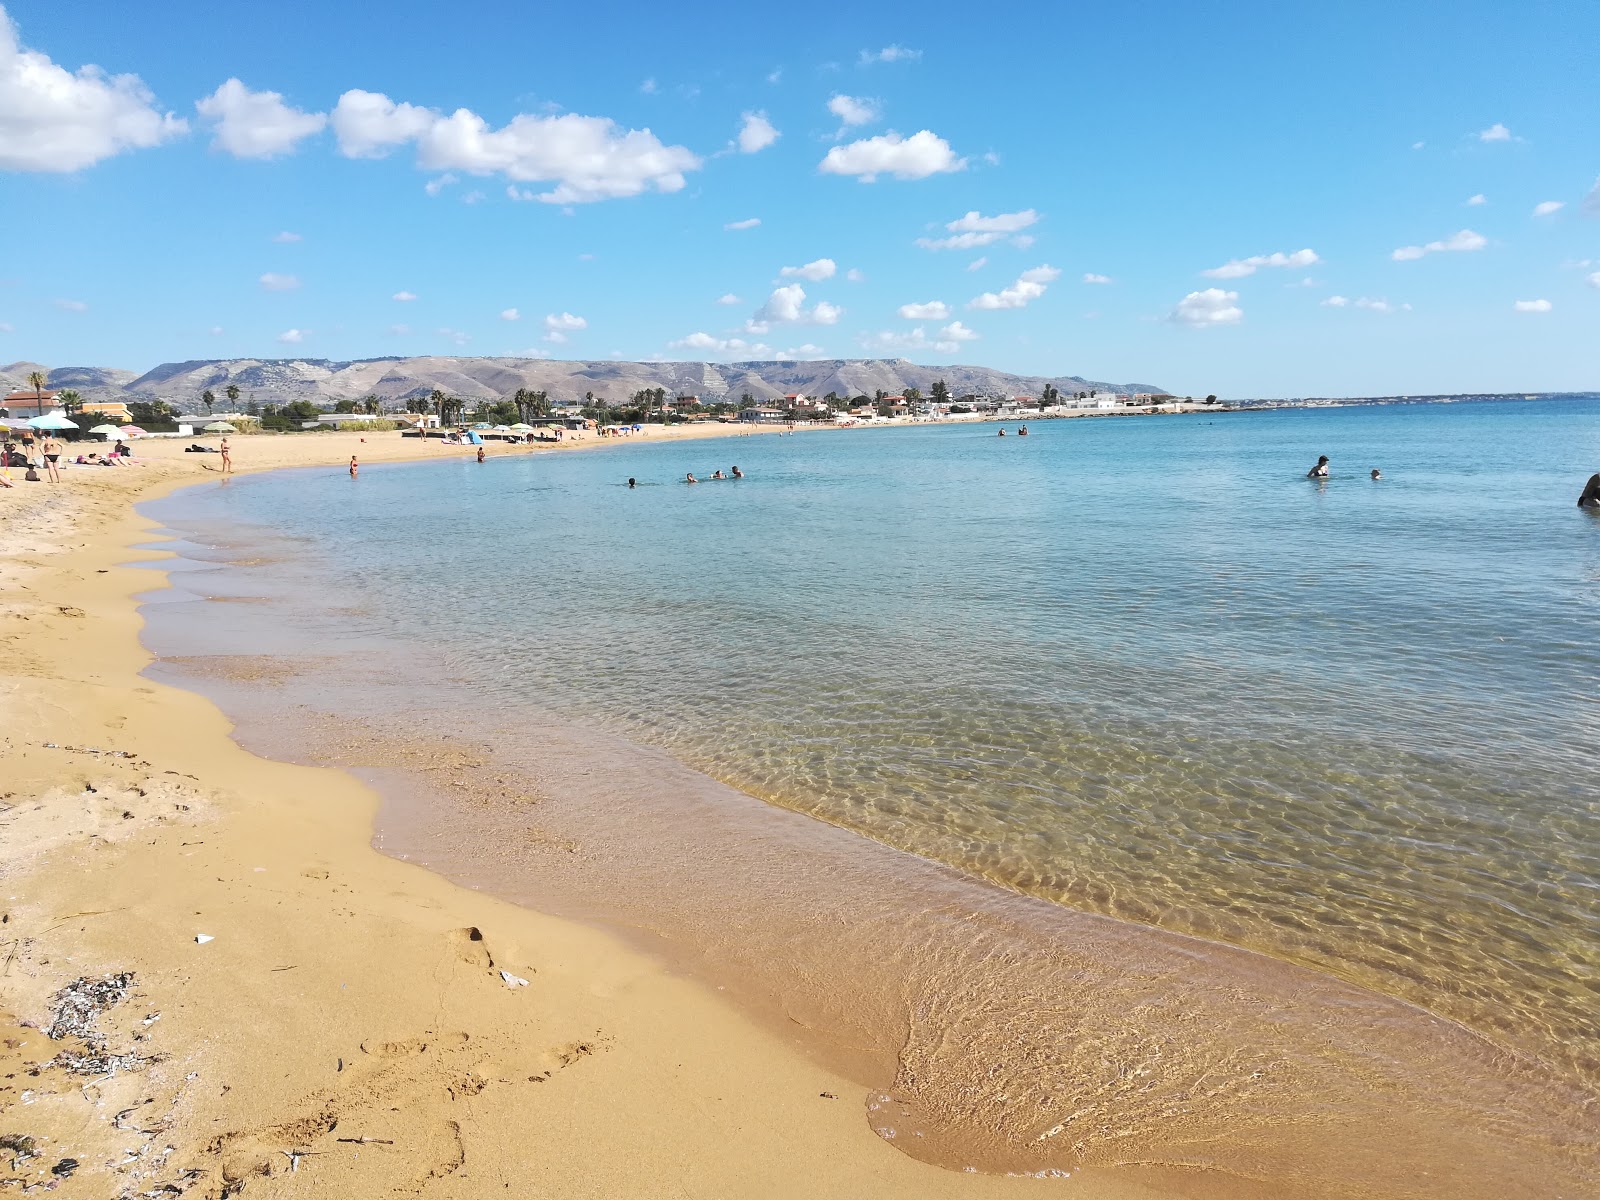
<point x="1139" y="666"/>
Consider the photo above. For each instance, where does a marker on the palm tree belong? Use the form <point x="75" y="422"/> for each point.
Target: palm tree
<point x="70" y="402"/>
<point x="208" y="399"/>
<point x="36" y="381"/>
<point x="232" y="393"/>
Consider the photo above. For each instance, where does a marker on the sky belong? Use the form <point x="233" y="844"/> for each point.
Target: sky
<point x="1250" y="199"/>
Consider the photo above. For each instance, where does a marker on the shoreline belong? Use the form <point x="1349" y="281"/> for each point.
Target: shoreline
<point x="342" y="994"/>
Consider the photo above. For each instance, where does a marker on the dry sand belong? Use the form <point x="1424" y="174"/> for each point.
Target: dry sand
<point x="347" y="1031"/>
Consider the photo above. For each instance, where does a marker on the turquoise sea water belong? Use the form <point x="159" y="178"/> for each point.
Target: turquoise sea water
<point x="1138" y="666"/>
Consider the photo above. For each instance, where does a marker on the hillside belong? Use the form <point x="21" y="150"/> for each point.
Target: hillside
<point x="275" y="381"/>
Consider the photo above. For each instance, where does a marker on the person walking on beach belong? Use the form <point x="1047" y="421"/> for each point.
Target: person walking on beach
<point x="227" y="458"/>
<point x="1320" y="471"/>
<point x="1591" y="493"/>
<point x="52" y="455"/>
<point x="355" y="467"/>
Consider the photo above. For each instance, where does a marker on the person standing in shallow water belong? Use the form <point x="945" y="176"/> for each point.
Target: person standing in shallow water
<point x="227" y="458"/>
<point x="1320" y="471"/>
<point x="355" y="467"/>
<point x="1591" y="493"/>
<point x="480" y="454"/>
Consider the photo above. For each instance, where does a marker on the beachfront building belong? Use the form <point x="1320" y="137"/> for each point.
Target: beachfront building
<point x="30" y="404"/>
<point x="764" y="415"/>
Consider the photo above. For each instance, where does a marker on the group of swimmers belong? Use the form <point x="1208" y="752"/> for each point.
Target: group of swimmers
<point x="1022" y="431"/>
<point x="1589" y="498"/>
<point x="689" y="478"/>
<point x="1320" y="471"/>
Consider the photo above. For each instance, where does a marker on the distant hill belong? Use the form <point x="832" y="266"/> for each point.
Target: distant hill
<point x="279" y="380"/>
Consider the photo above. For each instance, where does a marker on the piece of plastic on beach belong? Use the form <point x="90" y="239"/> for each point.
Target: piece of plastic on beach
<point x="513" y="981"/>
<point x="203" y="938"/>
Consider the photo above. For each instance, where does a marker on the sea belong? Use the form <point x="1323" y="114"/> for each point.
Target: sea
<point x="1113" y="799"/>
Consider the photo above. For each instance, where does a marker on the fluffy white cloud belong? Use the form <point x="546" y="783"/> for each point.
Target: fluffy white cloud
<point x="1463" y="240"/>
<point x="756" y="133"/>
<point x="916" y="157"/>
<point x="957" y="332"/>
<point x="947" y="341"/>
<point x="293" y="337"/>
<point x="1213" y="306"/>
<point x="729" y="299"/>
<point x="1238" y="268"/>
<point x="586" y="158"/>
<point x="404" y="296"/>
<point x="286" y="238"/>
<point x="1336" y="302"/>
<point x="564" y="322"/>
<point x="1091" y="277"/>
<point x="721" y="347"/>
<point x="274" y="282"/>
<point x="786" y="306"/>
<point x="855" y="275"/>
<point x="820" y="269"/>
<point x="1533" y="306"/>
<point x="510" y="314"/>
<point x="978" y="264"/>
<point x="434" y="186"/>
<point x="256" y="124"/>
<point x="72" y="306"/>
<point x="1477" y="201"/>
<point x="933" y="310"/>
<point x="53" y="119"/>
<point x="853" y="110"/>
<point x="889" y="54"/>
<point x="1030" y="285"/>
<point x="1546" y="207"/>
<point x="1495" y="133"/>
<point x="747" y="223"/>
<point x="975" y="230"/>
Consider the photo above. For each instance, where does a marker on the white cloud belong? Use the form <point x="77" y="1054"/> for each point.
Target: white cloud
<point x="256" y="124"/>
<point x="889" y="54"/>
<point x="434" y="186"/>
<point x="1477" y="201"/>
<point x="53" y="119"/>
<point x="916" y="157"/>
<point x="1418" y="145"/>
<point x="786" y="306"/>
<point x="1533" y="306"/>
<point x="1030" y="285"/>
<point x="803" y="351"/>
<point x="1336" y="302"/>
<point x="648" y="87"/>
<point x="510" y="314"/>
<point x="475" y="197"/>
<point x="456" y="336"/>
<point x="1022" y="241"/>
<point x="560" y="324"/>
<point x="586" y="158"/>
<point x="286" y="238"/>
<point x="854" y="275"/>
<point x="747" y="223"/>
<point x="1462" y="240"/>
<point x="957" y="332"/>
<point x="1495" y="133"/>
<point x="933" y="310"/>
<point x="756" y="133"/>
<point x="404" y="296"/>
<point x="1238" y="268"/>
<point x="947" y="341"/>
<point x="1202" y="310"/>
<point x="293" y="337"/>
<point x="1593" y="280"/>
<point x="1546" y="207"/>
<point x="721" y="347"/>
<point x="978" y="264"/>
<point x="975" y="229"/>
<point x="853" y="110"/>
<point x="73" y="306"/>
<point x="1091" y="277"/>
<point x="820" y="269"/>
<point x="728" y="298"/>
<point x="279" y="283"/>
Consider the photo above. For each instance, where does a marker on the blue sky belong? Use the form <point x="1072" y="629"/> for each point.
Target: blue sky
<point x="1248" y="199"/>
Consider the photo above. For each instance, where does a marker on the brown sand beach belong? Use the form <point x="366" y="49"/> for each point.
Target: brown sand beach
<point x="211" y="985"/>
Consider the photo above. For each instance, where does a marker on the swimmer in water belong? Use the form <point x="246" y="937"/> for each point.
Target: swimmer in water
<point x="1591" y="493"/>
<point x="738" y="474"/>
<point x="1002" y="433"/>
<point x="1022" y="431"/>
<point x="1320" y="471"/>
<point x="1376" y="474"/>
<point x="690" y="478"/>
<point x="632" y="482"/>
<point x="355" y="467"/>
<point x="717" y="474"/>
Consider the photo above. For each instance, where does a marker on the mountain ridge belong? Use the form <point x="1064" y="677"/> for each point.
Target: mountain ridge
<point x="397" y="379"/>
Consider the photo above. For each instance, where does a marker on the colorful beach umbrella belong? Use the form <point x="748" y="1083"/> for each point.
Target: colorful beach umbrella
<point x="54" y="420"/>
<point x="133" y="431"/>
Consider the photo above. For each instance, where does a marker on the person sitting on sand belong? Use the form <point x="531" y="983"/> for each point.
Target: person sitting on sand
<point x="691" y="478"/>
<point x="738" y="474"/>
<point x="1591" y="493"/>
<point x="1320" y="471"/>
<point x="122" y="449"/>
<point x="1376" y="474"/>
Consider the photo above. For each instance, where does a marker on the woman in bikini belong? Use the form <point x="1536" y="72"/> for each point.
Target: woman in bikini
<point x="52" y="455"/>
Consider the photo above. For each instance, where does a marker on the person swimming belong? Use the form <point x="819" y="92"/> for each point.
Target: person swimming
<point x="690" y="478"/>
<point x="1022" y="431"/>
<point x="1320" y="471"/>
<point x="1591" y="493"/>
<point x="480" y="453"/>
<point x="1002" y="433"/>
<point x="717" y="474"/>
<point x="738" y="474"/>
<point x="632" y="482"/>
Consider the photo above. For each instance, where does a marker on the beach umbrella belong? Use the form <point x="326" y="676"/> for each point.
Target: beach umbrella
<point x="519" y="427"/>
<point x="54" y="420"/>
<point x="219" y="427"/>
<point x="132" y="431"/>
<point x="106" y="429"/>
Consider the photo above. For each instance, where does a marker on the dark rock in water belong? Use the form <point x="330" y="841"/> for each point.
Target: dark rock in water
<point x="65" y="1167"/>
